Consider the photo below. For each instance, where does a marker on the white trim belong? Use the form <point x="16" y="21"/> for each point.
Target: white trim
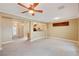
<point x="66" y="39"/>
<point x="34" y="39"/>
<point x="7" y="42"/>
<point x="23" y="39"/>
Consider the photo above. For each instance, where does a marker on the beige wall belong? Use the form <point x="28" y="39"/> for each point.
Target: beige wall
<point x="0" y="32"/>
<point x="6" y="30"/>
<point x="20" y="30"/>
<point x="26" y="28"/>
<point x="78" y="29"/>
<point x="67" y="32"/>
<point x="38" y="34"/>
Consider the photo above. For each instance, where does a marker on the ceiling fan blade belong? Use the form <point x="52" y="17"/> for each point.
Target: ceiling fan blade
<point x="22" y="5"/>
<point x="34" y="5"/>
<point x="41" y="11"/>
<point x="24" y="11"/>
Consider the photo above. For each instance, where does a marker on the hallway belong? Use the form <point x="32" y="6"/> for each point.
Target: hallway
<point x="42" y="47"/>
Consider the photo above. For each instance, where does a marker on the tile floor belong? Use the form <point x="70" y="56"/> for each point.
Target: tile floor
<point x="42" y="47"/>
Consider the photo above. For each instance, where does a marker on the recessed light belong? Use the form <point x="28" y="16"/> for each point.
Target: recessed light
<point x="57" y="18"/>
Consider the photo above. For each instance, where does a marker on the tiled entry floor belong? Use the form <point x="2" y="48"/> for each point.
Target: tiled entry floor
<point x="42" y="47"/>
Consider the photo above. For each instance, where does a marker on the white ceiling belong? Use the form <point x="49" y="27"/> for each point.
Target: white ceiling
<point x="51" y="11"/>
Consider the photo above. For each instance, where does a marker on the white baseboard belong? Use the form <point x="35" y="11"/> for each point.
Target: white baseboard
<point x="22" y="39"/>
<point x="65" y="39"/>
<point x="7" y="42"/>
<point x="34" y="39"/>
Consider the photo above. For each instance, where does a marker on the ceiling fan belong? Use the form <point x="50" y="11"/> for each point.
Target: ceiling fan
<point x="31" y="8"/>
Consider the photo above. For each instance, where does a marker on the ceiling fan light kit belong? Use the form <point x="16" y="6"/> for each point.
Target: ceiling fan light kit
<point x="31" y="8"/>
<point x="31" y="11"/>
